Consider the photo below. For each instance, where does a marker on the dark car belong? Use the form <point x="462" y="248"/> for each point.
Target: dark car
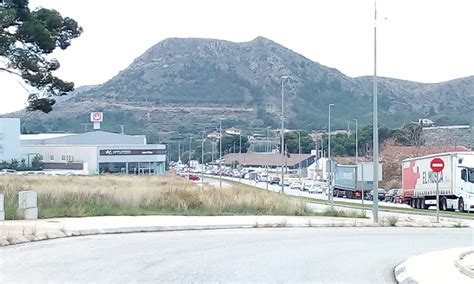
<point x="390" y="196"/>
<point x="381" y="194"/>
<point x="274" y="180"/>
<point x="193" y="177"/>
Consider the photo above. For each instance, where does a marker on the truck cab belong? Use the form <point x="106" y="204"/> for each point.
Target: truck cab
<point x="465" y="185"/>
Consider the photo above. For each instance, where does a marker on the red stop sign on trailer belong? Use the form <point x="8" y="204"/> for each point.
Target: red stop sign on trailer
<point x="437" y="165"/>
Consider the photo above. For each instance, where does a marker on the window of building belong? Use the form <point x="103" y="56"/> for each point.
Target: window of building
<point x="51" y="157"/>
<point x="63" y="157"/>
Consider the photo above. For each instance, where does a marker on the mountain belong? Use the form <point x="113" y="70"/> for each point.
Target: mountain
<point x="187" y="85"/>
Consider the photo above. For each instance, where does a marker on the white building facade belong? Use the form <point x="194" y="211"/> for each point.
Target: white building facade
<point x="9" y="139"/>
<point x="96" y="152"/>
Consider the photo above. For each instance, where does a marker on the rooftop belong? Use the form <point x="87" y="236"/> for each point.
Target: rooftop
<point x="42" y="136"/>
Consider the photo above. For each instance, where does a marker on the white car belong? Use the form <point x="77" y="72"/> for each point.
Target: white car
<point x="297" y="185"/>
<point x="315" y="189"/>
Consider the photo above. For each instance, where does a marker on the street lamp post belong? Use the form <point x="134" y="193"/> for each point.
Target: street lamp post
<point x="190" y="146"/>
<point x="220" y="154"/>
<point x="322" y="147"/>
<point x="283" y="78"/>
<point x="179" y="152"/>
<point x="189" y="158"/>
<point x="357" y="154"/>
<point x="240" y="142"/>
<point x="329" y="158"/>
<point x="202" y="159"/>
<point x="375" y="192"/>
<point x="299" y="152"/>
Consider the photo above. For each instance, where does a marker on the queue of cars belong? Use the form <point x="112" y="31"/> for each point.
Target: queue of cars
<point x="393" y="195"/>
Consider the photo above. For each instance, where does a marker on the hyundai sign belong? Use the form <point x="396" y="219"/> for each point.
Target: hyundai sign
<point x="97" y="117"/>
<point x="132" y="152"/>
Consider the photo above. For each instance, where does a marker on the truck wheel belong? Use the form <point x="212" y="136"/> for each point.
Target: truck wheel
<point x="443" y="204"/>
<point x="418" y="203"/>
<point x="461" y="205"/>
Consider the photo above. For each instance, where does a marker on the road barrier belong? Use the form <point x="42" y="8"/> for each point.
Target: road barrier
<point x="28" y="205"/>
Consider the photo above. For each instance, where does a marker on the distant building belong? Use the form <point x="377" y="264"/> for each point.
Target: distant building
<point x="9" y="139"/>
<point x="96" y="152"/>
<point x="233" y="131"/>
<point x="214" y="135"/>
<point x="425" y="122"/>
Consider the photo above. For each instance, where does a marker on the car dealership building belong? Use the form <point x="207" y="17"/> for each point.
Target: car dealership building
<point x="95" y="152"/>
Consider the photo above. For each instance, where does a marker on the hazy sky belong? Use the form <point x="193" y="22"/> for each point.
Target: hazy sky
<point x="418" y="40"/>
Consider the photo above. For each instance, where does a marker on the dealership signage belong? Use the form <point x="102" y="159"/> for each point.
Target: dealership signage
<point x="96" y="119"/>
<point x="132" y="152"/>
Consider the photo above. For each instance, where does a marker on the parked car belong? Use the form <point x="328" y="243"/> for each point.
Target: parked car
<point x="286" y="182"/>
<point x="391" y="194"/>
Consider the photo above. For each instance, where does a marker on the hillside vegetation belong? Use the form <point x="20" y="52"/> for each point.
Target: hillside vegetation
<point x="187" y="85"/>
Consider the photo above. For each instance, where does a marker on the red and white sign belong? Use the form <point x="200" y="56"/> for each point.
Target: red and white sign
<point x="437" y="165"/>
<point x="97" y="117"/>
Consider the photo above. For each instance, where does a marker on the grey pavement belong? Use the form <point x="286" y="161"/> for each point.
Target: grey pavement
<point x="317" y="255"/>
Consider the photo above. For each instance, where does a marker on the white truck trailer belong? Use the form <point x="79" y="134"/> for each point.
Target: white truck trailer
<point x="456" y="182"/>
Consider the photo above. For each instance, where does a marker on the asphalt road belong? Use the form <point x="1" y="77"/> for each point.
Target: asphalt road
<point x="318" y="255"/>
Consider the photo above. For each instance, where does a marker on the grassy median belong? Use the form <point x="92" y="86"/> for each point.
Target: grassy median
<point x="80" y="196"/>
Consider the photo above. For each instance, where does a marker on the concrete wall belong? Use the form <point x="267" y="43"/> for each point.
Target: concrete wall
<point x="9" y="139"/>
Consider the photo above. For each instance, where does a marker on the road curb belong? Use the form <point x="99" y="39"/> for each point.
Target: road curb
<point x="433" y="267"/>
<point x="401" y="274"/>
<point x="63" y="233"/>
<point x="463" y="268"/>
<point x="39" y="232"/>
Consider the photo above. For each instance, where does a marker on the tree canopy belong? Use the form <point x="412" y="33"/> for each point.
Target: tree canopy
<point x="26" y="39"/>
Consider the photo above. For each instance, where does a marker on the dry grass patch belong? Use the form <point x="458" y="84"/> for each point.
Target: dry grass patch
<point x="77" y="196"/>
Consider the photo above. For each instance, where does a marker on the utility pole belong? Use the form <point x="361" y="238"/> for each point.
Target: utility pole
<point x="375" y="193"/>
